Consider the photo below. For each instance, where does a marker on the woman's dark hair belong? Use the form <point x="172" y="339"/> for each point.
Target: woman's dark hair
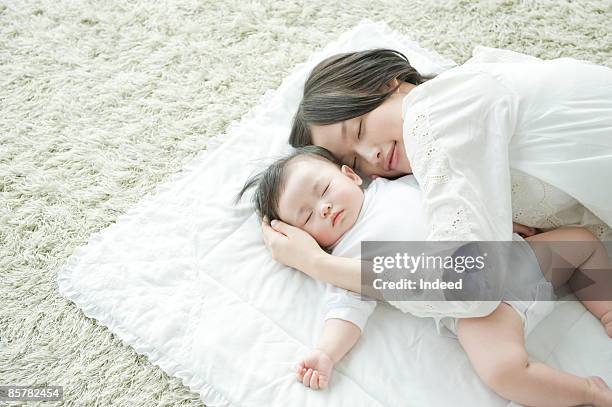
<point x="270" y="183"/>
<point x="348" y="85"/>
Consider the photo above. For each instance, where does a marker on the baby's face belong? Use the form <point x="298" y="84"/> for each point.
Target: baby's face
<point x="320" y="198"/>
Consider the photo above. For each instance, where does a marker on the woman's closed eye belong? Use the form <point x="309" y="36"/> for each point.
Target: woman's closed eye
<point x="354" y="165"/>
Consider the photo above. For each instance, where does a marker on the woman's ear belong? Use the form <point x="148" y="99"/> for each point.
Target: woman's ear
<point x="392" y="84"/>
<point x="348" y="171"/>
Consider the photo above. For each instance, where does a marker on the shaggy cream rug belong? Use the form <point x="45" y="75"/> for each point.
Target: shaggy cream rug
<point x="100" y="101"/>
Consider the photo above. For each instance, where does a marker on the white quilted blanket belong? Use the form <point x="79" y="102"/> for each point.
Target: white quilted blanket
<point x="185" y="279"/>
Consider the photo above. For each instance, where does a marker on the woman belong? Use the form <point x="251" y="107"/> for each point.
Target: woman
<point x="503" y="137"/>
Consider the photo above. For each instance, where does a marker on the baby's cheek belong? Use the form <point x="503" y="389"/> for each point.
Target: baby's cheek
<point x="324" y="237"/>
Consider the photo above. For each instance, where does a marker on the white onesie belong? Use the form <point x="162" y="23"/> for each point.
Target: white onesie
<point x="401" y="201"/>
<point x="392" y="210"/>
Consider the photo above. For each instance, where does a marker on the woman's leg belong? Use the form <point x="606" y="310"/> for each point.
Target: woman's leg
<point x="573" y="248"/>
<point x="496" y="349"/>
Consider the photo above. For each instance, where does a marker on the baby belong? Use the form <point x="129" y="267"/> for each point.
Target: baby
<point x="310" y="190"/>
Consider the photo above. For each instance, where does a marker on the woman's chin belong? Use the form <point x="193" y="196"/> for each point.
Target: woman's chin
<point x="396" y="176"/>
<point x="395" y="173"/>
<point x="403" y="168"/>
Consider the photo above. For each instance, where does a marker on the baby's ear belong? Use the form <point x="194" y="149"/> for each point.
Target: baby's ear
<point x="348" y="171"/>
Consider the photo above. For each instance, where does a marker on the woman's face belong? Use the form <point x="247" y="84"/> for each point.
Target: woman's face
<point x="371" y="144"/>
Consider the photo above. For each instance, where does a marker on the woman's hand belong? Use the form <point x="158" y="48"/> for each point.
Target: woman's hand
<point x="289" y="245"/>
<point x="315" y="369"/>
<point x="524" y="231"/>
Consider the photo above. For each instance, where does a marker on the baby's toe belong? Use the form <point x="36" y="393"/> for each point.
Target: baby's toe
<point x="606" y="320"/>
<point x="600" y="393"/>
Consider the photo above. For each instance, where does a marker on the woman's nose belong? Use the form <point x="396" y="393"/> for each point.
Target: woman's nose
<point x="376" y="156"/>
<point x="372" y="155"/>
<point x="325" y="209"/>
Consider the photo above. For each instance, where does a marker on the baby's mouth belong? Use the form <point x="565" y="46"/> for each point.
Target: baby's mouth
<point x="336" y="217"/>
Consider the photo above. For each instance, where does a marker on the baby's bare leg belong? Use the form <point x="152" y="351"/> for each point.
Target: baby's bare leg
<point x="573" y="248"/>
<point x="496" y="349"/>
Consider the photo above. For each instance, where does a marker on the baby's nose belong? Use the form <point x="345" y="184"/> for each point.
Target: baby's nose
<point x="325" y="210"/>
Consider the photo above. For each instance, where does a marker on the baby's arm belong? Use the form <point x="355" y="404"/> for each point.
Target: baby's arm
<point x="346" y="314"/>
<point x="337" y="338"/>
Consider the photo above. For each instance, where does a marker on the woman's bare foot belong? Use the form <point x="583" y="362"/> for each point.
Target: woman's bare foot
<point x="606" y="320"/>
<point x="599" y="392"/>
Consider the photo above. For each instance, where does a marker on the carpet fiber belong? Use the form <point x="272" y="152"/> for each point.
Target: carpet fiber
<point x="101" y="101"/>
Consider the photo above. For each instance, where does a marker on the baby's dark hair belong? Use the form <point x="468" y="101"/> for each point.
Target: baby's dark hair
<point x="270" y="183"/>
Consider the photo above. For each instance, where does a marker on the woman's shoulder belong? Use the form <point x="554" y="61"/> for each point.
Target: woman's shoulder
<point x="463" y="79"/>
<point x="482" y="54"/>
<point x="456" y="89"/>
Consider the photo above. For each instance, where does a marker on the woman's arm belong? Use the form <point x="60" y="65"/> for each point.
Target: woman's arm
<point x="342" y="272"/>
<point x="456" y="138"/>
<point x="295" y="248"/>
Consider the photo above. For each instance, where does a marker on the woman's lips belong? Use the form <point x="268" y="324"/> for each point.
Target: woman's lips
<point x="391" y="159"/>
<point x="336" y="217"/>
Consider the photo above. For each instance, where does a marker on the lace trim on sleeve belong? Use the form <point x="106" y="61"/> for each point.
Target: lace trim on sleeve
<point x="432" y="160"/>
<point x="430" y="167"/>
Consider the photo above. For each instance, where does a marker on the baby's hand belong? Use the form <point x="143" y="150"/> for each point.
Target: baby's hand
<point x="524" y="231"/>
<point x="315" y="369"/>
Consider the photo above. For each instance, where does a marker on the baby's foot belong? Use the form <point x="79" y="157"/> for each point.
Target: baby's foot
<point x="599" y="392"/>
<point x="606" y="320"/>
